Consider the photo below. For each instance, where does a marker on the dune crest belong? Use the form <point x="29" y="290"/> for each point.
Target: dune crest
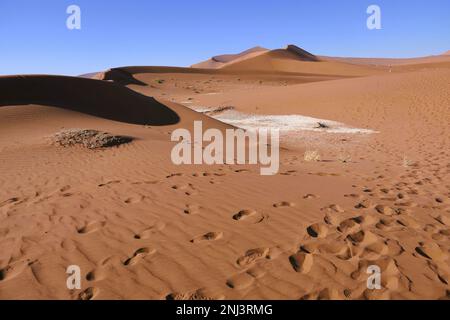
<point x="303" y="54"/>
<point x="293" y="59"/>
<point x="225" y="58"/>
<point x="219" y="61"/>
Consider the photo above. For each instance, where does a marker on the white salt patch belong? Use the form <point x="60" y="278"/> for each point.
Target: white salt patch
<point x="285" y="123"/>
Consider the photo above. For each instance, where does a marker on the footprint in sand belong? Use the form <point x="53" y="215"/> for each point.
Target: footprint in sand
<point x="310" y="196"/>
<point x="302" y="262"/>
<point x="200" y="294"/>
<point x="175" y="175"/>
<point x="365" y="204"/>
<point x="387" y="224"/>
<point x="443" y="219"/>
<point x="406" y="204"/>
<point x="363" y="237"/>
<point x="244" y="214"/>
<point x="210" y="236"/>
<point x="192" y="208"/>
<point x="288" y="173"/>
<point x="9" y="201"/>
<point x="91" y="227"/>
<point x="334" y="208"/>
<point x="109" y="183"/>
<point x="88" y="294"/>
<point x="67" y="194"/>
<point x="438" y="236"/>
<point x="440" y="200"/>
<point x="65" y="188"/>
<point x="12" y="270"/>
<point x="245" y="279"/>
<point x="4" y="232"/>
<point x="317" y="230"/>
<point x="335" y="248"/>
<point x="241" y="281"/>
<point x="324" y="174"/>
<point x="96" y="275"/>
<point x="350" y="225"/>
<point x="138" y="255"/>
<point x="284" y="204"/>
<point x="180" y="186"/>
<point x="134" y="199"/>
<point x="249" y="215"/>
<point x="386" y="210"/>
<point x="401" y="196"/>
<point x="375" y="250"/>
<point x="394" y="247"/>
<point x="385" y="190"/>
<point x="257" y="272"/>
<point x="146" y="182"/>
<point x="220" y="174"/>
<point x="147" y="233"/>
<point x="188" y="189"/>
<point x="353" y="195"/>
<point x="332" y="218"/>
<point x="387" y="265"/>
<point x="432" y="251"/>
<point x="207" y="174"/>
<point x="252" y="256"/>
<point x="409" y="222"/>
<point x="325" y="294"/>
<point x="191" y="192"/>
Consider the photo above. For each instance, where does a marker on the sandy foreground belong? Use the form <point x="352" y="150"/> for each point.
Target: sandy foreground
<point x="141" y="227"/>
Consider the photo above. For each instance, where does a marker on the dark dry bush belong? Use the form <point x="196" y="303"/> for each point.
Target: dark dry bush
<point x="322" y="125"/>
<point x="91" y="139"/>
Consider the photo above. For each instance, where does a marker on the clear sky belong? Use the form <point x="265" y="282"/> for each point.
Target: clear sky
<point x="34" y="37"/>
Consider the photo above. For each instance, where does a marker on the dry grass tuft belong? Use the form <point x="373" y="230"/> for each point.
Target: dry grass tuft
<point x="91" y="139"/>
<point x="311" y="155"/>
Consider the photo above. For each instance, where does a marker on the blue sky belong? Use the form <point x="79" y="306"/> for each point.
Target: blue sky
<point x="34" y="37"/>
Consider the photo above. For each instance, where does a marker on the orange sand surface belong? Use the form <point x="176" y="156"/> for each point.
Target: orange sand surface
<point x="141" y="227"/>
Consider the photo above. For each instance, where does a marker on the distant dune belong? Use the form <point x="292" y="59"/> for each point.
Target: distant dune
<point x="293" y="59"/>
<point x="225" y="60"/>
<point x="222" y="60"/>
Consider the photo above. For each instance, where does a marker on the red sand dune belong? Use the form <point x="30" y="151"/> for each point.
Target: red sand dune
<point x="141" y="227"/>
<point x="221" y="60"/>
<point x="98" y="98"/>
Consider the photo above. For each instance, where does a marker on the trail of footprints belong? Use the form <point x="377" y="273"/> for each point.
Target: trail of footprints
<point x="346" y="236"/>
<point x="353" y="237"/>
<point x="251" y="262"/>
<point x="370" y="238"/>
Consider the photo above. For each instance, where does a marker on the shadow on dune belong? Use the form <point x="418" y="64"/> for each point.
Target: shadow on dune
<point x="122" y="77"/>
<point x="94" y="97"/>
